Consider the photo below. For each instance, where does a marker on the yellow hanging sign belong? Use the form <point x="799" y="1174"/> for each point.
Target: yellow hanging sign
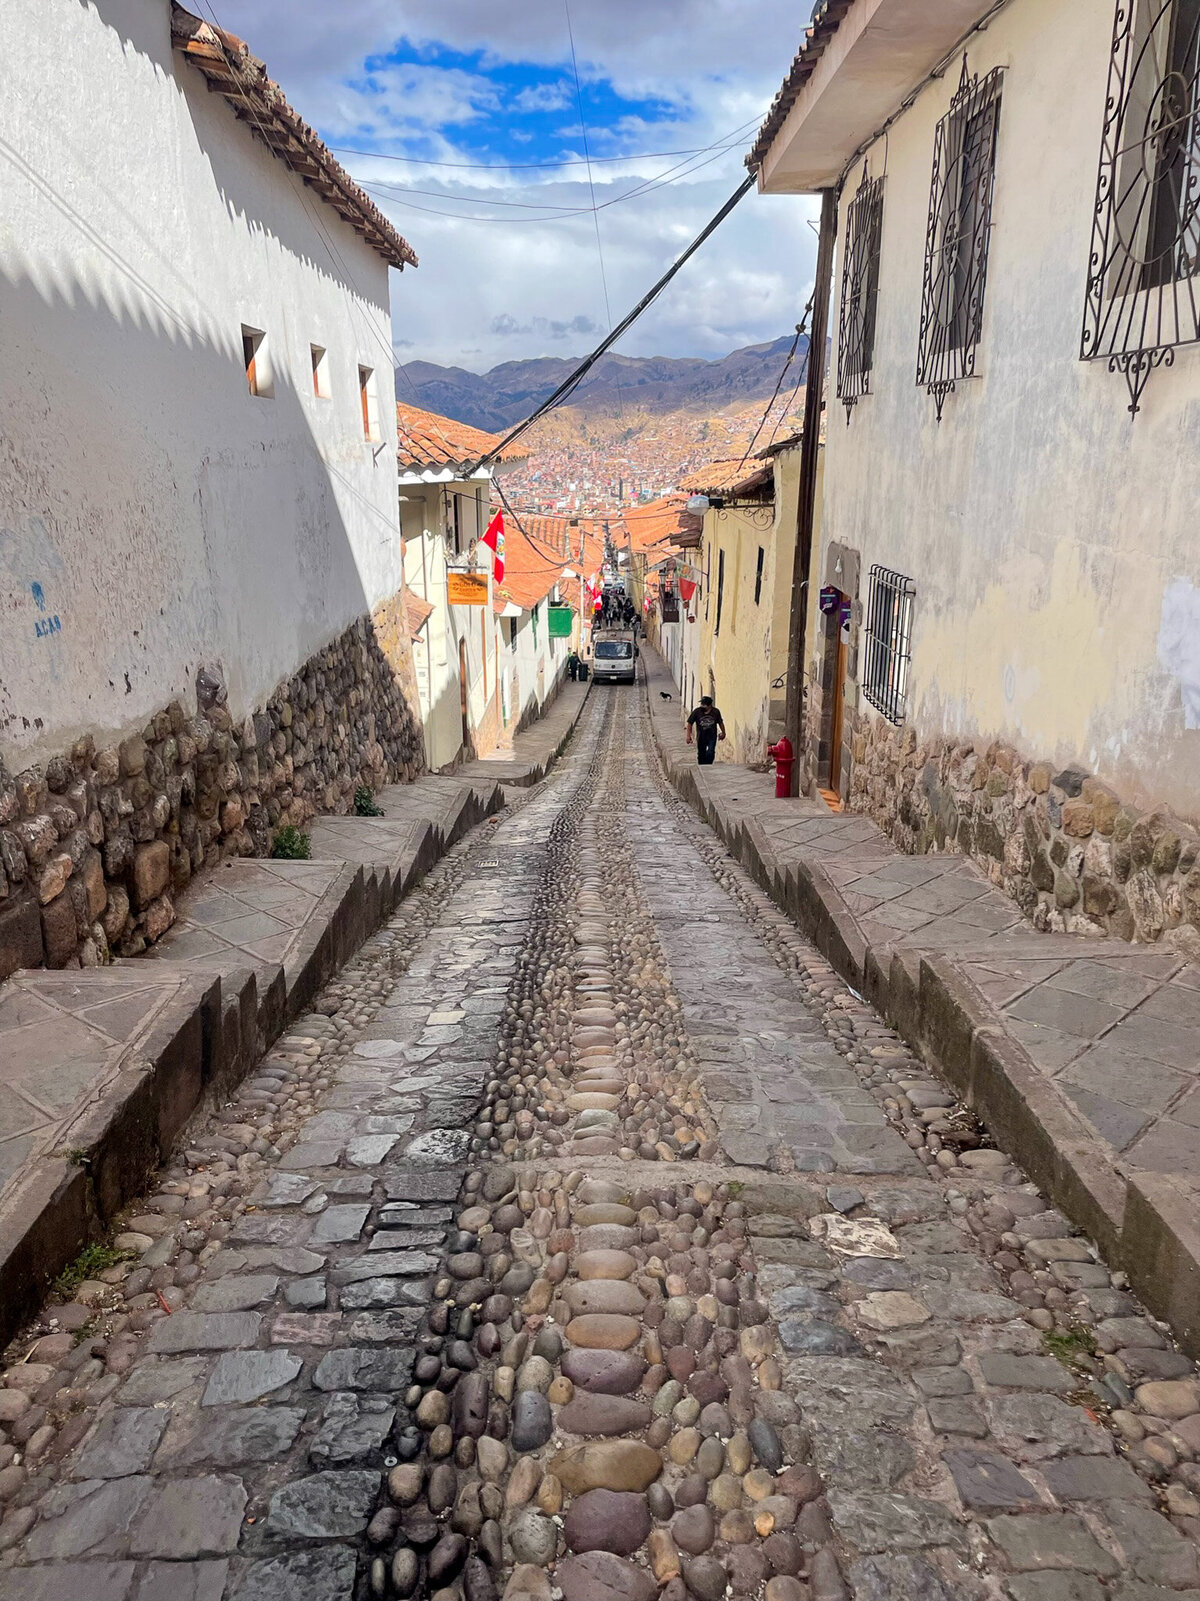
<point x="466" y="589"/>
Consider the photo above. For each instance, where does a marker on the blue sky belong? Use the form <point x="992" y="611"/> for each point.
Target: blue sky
<point x="503" y="222"/>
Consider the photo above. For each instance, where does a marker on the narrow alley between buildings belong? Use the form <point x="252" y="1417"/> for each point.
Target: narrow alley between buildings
<point x="590" y="1238"/>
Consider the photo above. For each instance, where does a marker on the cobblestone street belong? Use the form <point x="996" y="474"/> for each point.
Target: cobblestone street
<point x="591" y="1239"/>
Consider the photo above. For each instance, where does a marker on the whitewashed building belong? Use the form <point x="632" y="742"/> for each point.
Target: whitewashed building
<point x="1010" y="662"/>
<point x="197" y="444"/>
<point x="445" y="506"/>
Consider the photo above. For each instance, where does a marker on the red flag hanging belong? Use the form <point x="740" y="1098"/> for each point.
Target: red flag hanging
<point x="494" y="540"/>
<point x="687" y="588"/>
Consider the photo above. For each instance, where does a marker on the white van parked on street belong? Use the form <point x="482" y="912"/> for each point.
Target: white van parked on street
<point x="614" y="655"/>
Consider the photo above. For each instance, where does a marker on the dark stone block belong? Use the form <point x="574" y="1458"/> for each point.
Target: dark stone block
<point x="1071" y="781"/>
<point x="988" y="1482"/>
<point x="20" y="935"/>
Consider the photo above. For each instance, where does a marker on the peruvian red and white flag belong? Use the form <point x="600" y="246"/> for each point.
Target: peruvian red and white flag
<point x="494" y="540"/>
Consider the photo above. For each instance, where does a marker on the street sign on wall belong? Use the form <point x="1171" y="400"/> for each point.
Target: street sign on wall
<point x="466" y="589"/>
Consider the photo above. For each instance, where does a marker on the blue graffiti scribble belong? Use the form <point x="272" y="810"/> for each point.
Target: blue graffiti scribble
<point x="39" y="596"/>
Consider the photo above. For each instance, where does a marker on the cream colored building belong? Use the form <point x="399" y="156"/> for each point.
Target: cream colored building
<point x="744" y="608"/>
<point x="1013" y="460"/>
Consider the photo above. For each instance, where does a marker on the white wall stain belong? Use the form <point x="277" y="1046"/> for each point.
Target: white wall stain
<point x="1179" y="644"/>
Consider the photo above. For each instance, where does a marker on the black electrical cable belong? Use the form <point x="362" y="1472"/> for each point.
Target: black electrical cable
<point x="800" y="327"/>
<point x="574" y="379"/>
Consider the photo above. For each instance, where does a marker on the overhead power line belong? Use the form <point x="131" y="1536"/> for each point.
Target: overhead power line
<point x="573" y="381"/>
<point x="565" y="212"/>
<point x="791" y="355"/>
<point x="528" y="166"/>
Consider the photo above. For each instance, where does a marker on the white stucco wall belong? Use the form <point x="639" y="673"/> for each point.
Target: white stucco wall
<point x="154" y="515"/>
<point x="437" y="659"/>
<point x="1052" y="537"/>
<point x="505" y="681"/>
<point x="536" y="665"/>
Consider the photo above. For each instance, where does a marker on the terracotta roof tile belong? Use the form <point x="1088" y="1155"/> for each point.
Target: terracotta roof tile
<point x="426" y="440"/>
<point x="233" y="72"/>
<point x="531" y="568"/>
<point x="416" y="612"/>
<point x="650" y="524"/>
<point x="730" y="478"/>
<point x="826" y="20"/>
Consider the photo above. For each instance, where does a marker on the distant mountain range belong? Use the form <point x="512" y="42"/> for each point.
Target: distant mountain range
<point x="497" y="399"/>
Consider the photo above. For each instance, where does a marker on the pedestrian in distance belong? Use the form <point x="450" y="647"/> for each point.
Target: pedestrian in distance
<point x="709" y="725"/>
<point x="573" y="666"/>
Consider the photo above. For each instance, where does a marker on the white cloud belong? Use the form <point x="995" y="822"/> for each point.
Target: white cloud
<point x="506" y="326"/>
<point x="487" y="291"/>
<point x="544" y="97"/>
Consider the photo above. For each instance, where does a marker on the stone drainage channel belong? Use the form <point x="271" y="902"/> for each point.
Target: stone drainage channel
<point x="432" y="1308"/>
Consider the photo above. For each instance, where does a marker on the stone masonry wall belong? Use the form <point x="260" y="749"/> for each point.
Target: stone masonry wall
<point x="96" y="845"/>
<point x="1061" y="843"/>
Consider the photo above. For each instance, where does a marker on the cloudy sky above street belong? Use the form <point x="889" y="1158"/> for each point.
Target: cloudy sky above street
<point x="462" y="119"/>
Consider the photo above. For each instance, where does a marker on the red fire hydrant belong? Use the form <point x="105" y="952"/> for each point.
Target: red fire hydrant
<point x="783" y="757"/>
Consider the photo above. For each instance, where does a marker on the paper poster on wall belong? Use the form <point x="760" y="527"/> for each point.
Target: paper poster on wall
<point x="466" y="589"/>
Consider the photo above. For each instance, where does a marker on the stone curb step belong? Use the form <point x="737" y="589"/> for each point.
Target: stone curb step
<point x="211" y="1024"/>
<point x="1147" y="1224"/>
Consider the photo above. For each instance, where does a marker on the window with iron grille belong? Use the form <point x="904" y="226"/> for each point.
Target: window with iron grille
<point x="1142" y="278"/>
<point x="887" y="641"/>
<point x="956" y="243"/>
<point x="860" y="292"/>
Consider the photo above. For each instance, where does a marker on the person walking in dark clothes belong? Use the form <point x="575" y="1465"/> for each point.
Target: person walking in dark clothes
<point x="709" y="725"/>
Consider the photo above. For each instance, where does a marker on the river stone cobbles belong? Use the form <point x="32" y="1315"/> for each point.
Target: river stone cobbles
<point x="784" y="1376"/>
<point x="607" y="1520"/>
<point x="601" y="1576"/>
<point x="606" y="1372"/>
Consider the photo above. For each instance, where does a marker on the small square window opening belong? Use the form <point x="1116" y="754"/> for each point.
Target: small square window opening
<point x="369" y="403"/>
<point x="320" y="372"/>
<point x="254" y="360"/>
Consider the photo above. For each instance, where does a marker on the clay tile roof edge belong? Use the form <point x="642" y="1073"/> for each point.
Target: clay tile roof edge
<point x="425" y="439"/>
<point x="416" y="612"/>
<point x="729" y="478"/>
<point x="257" y="100"/>
<point x="817" y="40"/>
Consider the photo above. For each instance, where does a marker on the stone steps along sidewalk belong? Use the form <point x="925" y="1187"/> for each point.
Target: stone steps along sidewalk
<point x="100" y="1068"/>
<point x="540" y="745"/>
<point x="936" y="982"/>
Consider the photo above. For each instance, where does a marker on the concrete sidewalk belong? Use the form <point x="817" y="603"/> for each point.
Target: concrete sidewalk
<point x="1081" y="1055"/>
<point x="534" y="751"/>
<point x="100" y="1068"/>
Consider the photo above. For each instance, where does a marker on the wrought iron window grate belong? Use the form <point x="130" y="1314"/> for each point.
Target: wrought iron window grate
<point x="860" y="292"/>
<point x="957" y="240"/>
<point x="1141" y="289"/>
<point x="887" y="641"/>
